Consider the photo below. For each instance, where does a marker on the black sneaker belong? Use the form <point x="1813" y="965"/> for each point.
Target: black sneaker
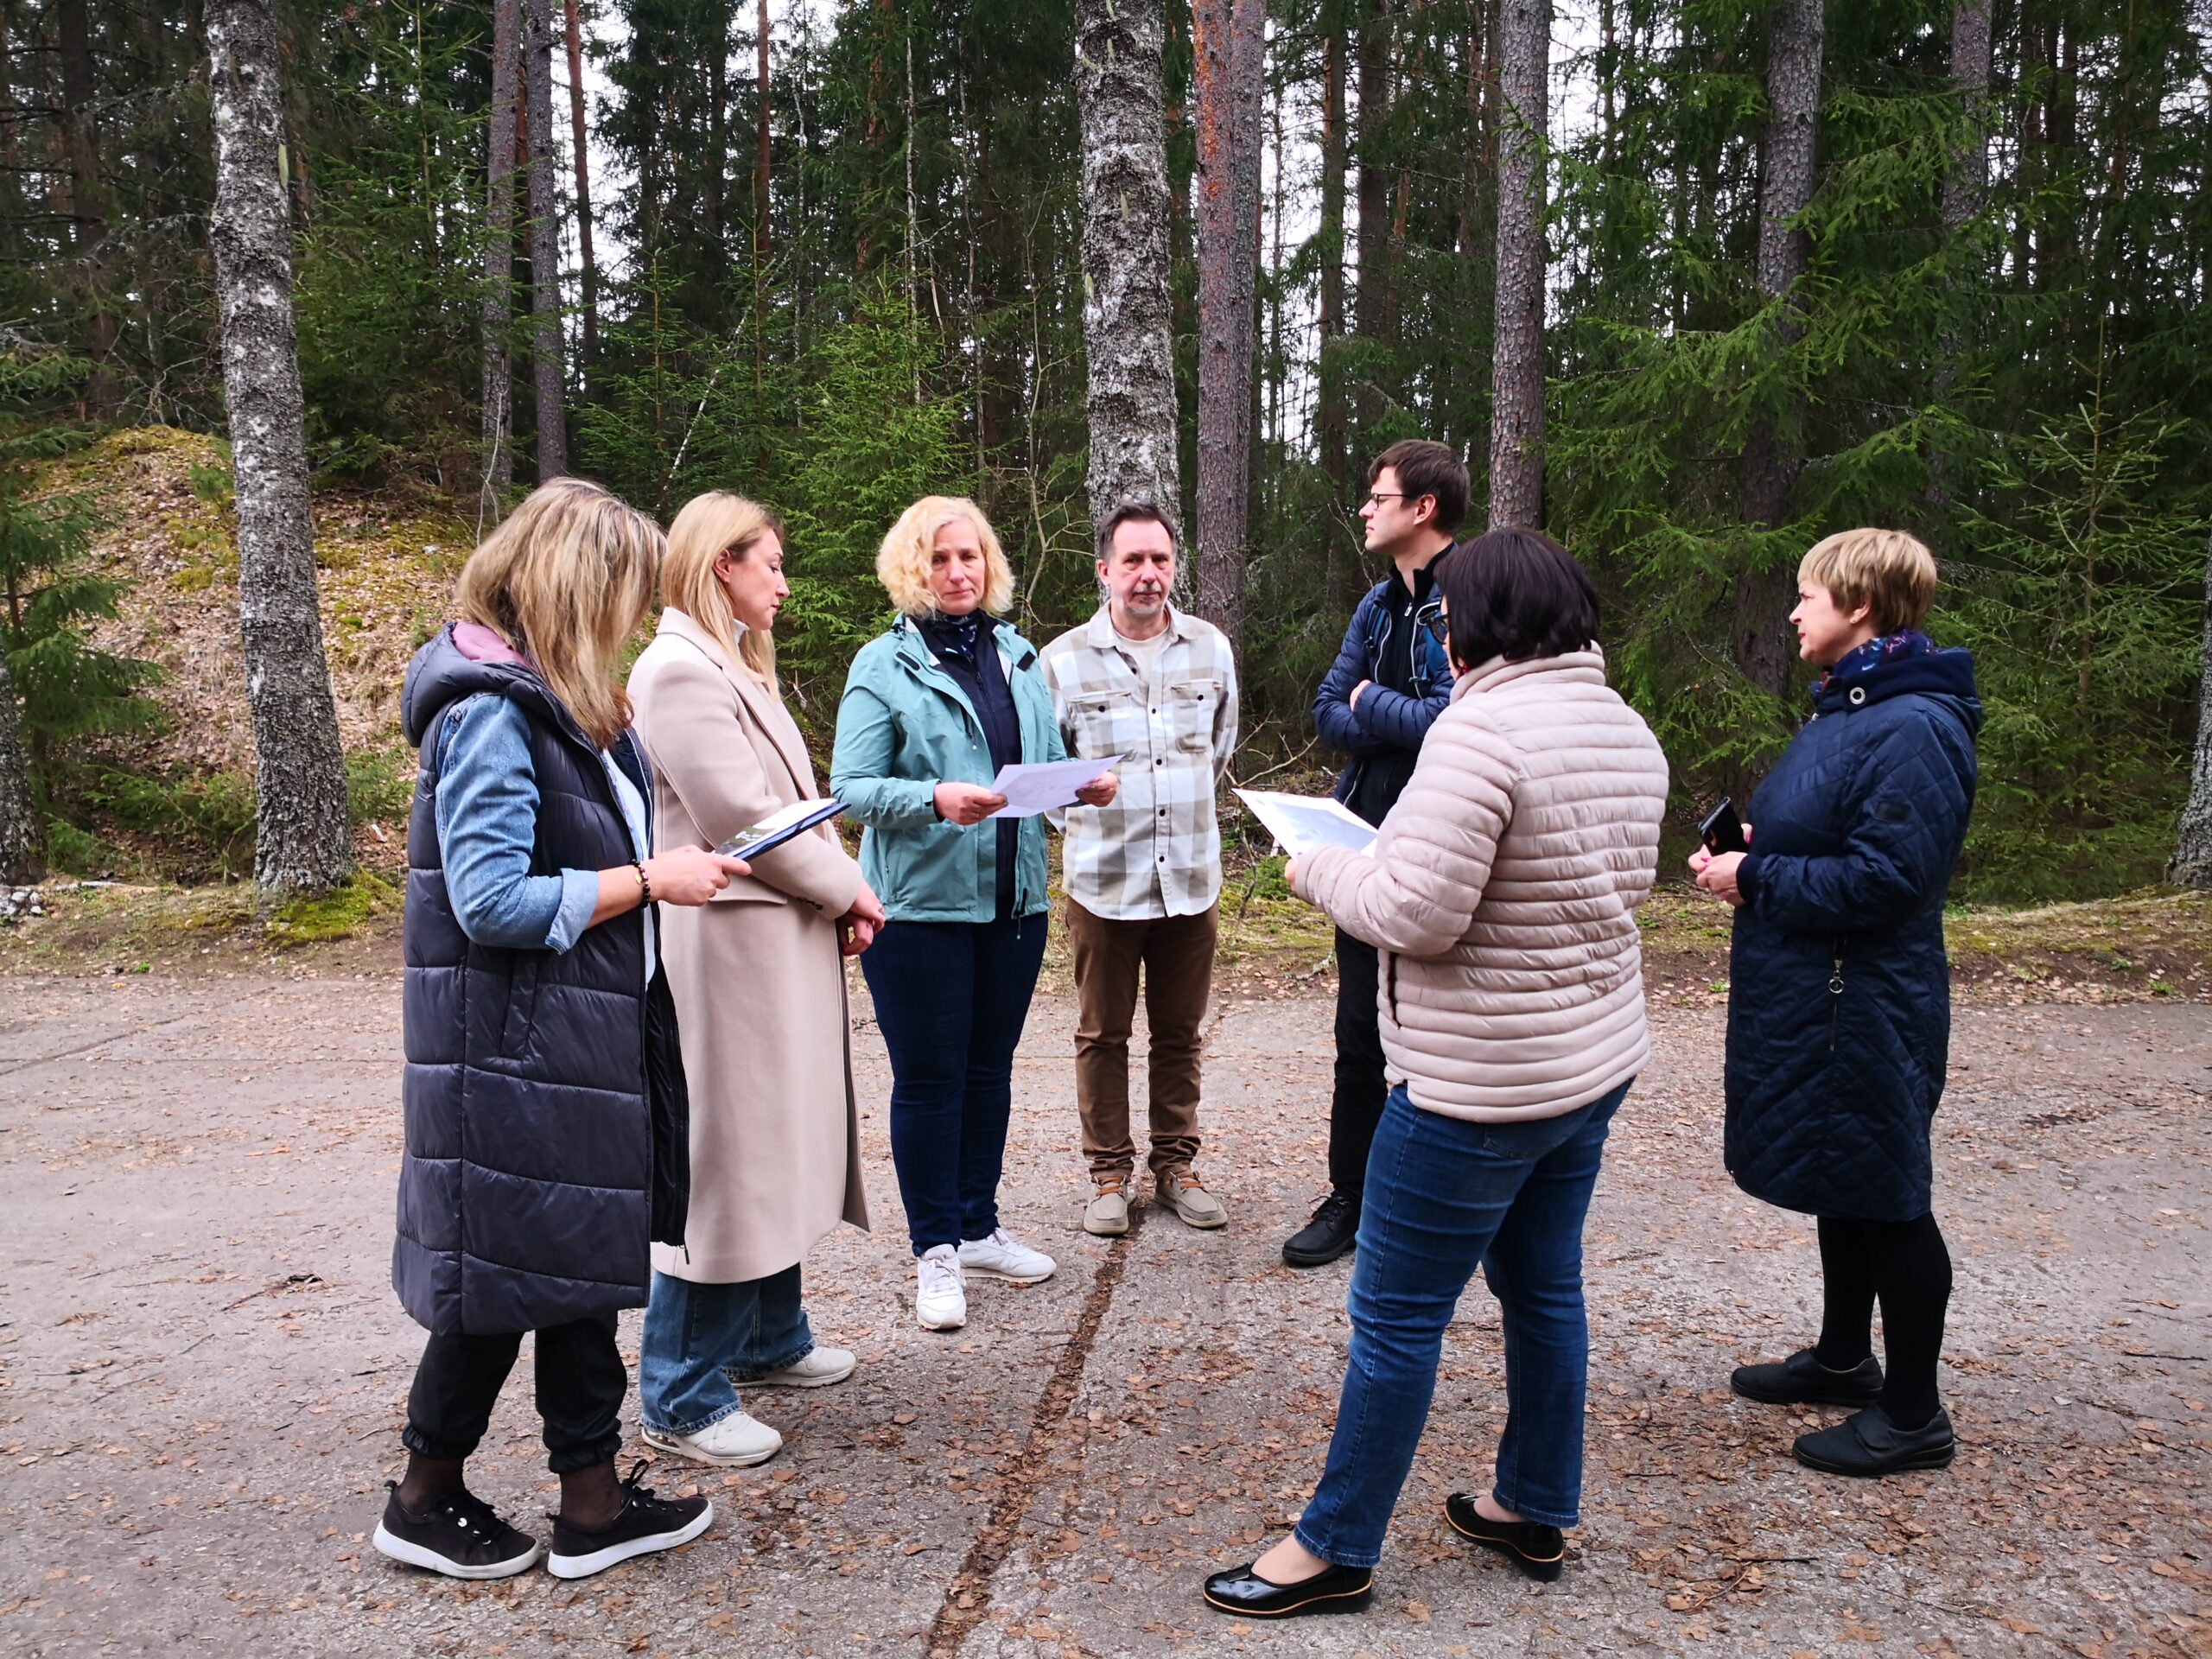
<point x="458" y="1535"/>
<point x="1328" y="1235"/>
<point x="1868" y="1444"/>
<point x="645" y="1524"/>
<point x="1802" y="1379"/>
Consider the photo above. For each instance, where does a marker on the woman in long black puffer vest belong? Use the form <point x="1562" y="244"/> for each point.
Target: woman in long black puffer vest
<point x="545" y="1090"/>
<point x="1840" y="1010"/>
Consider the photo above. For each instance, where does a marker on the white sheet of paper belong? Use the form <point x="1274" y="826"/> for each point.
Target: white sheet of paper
<point x="1301" y="822"/>
<point x="1031" y="789"/>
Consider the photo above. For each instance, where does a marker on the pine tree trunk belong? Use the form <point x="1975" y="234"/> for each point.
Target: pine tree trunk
<point x="498" y="257"/>
<point x="302" y="841"/>
<point x="89" y="217"/>
<point x="1964" y="187"/>
<point x="546" y="347"/>
<point x="1517" y="424"/>
<point x="20" y="836"/>
<point x="763" y="157"/>
<point x="1332" y="434"/>
<point x="1773" y="456"/>
<point x="575" y="28"/>
<point x="2192" y="861"/>
<point x="1130" y="399"/>
<point x="1373" y="68"/>
<point x="1229" y="47"/>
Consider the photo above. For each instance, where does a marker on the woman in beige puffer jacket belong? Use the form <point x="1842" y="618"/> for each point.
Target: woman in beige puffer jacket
<point x="1501" y="894"/>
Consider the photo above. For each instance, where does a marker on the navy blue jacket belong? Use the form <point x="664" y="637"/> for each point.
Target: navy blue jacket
<point x="546" y="1123"/>
<point x="1385" y="719"/>
<point x="1840" y="994"/>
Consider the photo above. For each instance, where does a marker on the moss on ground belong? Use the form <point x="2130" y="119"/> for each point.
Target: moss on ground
<point x="330" y="916"/>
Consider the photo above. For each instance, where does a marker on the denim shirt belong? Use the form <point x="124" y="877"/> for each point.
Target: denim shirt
<point x="488" y="825"/>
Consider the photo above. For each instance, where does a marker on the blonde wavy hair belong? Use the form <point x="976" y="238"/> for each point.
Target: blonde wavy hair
<point x="565" y="581"/>
<point x="903" y="566"/>
<point x="709" y="526"/>
<point x="1891" y="573"/>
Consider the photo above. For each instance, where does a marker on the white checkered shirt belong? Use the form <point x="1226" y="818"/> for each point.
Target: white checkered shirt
<point x="1156" y="851"/>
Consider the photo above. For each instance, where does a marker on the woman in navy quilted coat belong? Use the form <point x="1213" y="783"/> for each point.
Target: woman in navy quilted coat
<point x="1840" y="1011"/>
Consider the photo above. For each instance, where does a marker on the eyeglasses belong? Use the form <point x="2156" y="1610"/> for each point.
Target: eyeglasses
<point x="1434" y="616"/>
<point x="1376" y="497"/>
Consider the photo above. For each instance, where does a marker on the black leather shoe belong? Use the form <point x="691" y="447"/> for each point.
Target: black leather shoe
<point x="1245" y="1593"/>
<point x="1327" y="1237"/>
<point x="1802" y="1379"/>
<point x="1867" y="1443"/>
<point x="1535" y="1549"/>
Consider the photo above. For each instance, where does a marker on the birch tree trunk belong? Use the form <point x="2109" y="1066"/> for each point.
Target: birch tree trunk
<point x="1228" y="43"/>
<point x="545" y="351"/>
<point x="1773" y="454"/>
<point x="499" y="260"/>
<point x="2192" y="861"/>
<point x="1517" y="425"/>
<point x="302" y="843"/>
<point x="19" y="827"/>
<point x="574" y="30"/>
<point x="1964" y="187"/>
<point x="1127" y="306"/>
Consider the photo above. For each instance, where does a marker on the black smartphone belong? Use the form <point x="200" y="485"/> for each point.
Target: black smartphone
<point x="1722" y="831"/>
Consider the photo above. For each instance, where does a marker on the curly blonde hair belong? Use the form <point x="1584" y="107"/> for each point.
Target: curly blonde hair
<point x="708" y="525"/>
<point x="1889" y="572"/>
<point x="565" y="580"/>
<point x="903" y="566"/>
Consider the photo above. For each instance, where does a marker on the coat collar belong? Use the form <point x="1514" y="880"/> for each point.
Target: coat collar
<point x="764" y="703"/>
<point x="1568" y="668"/>
<point x="678" y="625"/>
<point x="1017" y="650"/>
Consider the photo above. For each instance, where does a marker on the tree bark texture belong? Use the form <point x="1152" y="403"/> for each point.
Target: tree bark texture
<point x="1333" y="421"/>
<point x="302" y="841"/>
<point x="1127" y="306"/>
<point x="1373" y="70"/>
<point x="20" y="836"/>
<point x="87" y="209"/>
<point x="1964" y="187"/>
<point x="575" y="28"/>
<point x="546" y="347"/>
<point x="499" y="257"/>
<point x="2192" y="861"/>
<point x="1516" y="426"/>
<point x="1773" y="454"/>
<point x="1229" y="44"/>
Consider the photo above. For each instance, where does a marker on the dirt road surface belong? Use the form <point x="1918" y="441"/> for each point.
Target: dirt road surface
<point x="202" y="1370"/>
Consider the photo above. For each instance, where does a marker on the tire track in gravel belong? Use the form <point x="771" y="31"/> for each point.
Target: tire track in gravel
<point x="967" y="1598"/>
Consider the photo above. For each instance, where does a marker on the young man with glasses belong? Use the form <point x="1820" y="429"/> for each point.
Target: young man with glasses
<point x="1391" y="681"/>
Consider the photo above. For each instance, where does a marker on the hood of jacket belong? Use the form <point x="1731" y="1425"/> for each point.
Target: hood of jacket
<point x="1942" y="675"/>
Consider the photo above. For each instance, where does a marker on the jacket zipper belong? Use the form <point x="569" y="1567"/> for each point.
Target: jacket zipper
<point x="1836" y="995"/>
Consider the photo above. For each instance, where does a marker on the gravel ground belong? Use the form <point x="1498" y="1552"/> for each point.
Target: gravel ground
<point x="202" y="1371"/>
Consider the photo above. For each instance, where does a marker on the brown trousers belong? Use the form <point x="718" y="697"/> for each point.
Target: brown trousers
<point x="1176" y="955"/>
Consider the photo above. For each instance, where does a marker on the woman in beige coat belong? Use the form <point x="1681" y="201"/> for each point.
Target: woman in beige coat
<point x="760" y="995"/>
<point x="1502" y="896"/>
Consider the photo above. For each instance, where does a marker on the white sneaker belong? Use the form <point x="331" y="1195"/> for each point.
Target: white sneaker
<point x="816" y="1369"/>
<point x="1004" y="1256"/>
<point x="736" y="1441"/>
<point x="940" y="1290"/>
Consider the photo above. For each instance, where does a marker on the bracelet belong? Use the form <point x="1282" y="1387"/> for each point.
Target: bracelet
<point x="645" y="888"/>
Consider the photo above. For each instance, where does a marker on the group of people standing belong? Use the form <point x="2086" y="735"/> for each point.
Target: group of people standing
<point x="628" y="1066"/>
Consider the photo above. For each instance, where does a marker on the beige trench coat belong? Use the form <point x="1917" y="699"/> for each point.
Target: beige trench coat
<point x="758" y="985"/>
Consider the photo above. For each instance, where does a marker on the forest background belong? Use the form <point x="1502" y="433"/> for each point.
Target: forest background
<point x="833" y="259"/>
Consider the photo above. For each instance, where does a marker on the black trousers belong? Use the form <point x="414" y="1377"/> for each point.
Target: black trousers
<point x="1356" y="1106"/>
<point x="580" y="1382"/>
<point x="1906" y="1266"/>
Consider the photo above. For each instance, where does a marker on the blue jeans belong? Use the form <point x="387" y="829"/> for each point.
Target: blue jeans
<point x="1442" y="1197"/>
<point x="696" y="1334"/>
<point x="951" y="999"/>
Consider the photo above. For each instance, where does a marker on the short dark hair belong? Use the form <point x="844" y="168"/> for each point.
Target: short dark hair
<point x="1425" y="467"/>
<point x="1515" y="593"/>
<point x="1137" y="512"/>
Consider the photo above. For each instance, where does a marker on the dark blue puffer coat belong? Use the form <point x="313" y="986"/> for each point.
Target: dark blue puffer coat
<point x="546" y="1123"/>
<point x="1839" y="993"/>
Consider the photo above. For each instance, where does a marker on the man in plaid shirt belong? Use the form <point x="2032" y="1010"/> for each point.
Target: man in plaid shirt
<point x="1144" y="681"/>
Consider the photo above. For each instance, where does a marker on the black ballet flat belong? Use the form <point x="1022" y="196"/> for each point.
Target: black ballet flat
<point x="1245" y="1593"/>
<point x="1538" y="1550"/>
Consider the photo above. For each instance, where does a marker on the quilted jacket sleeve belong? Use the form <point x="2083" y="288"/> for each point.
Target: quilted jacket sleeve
<point x="1417" y="894"/>
<point x="1911" y="792"/>
<point x="1334" y="720"/>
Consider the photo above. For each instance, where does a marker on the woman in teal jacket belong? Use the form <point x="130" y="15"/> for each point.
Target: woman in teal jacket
<point x="932" y="711"/>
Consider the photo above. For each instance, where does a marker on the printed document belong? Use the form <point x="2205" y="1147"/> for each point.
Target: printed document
<point x="1030" y="789"/>
<point x="1301" y="822"/>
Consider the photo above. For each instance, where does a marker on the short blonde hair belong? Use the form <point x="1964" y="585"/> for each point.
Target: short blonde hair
<point x="565" y="580"/>
<point x="1888" y="571"/>
<point x="903" y="566"/>
<point x="709" y="526"/>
